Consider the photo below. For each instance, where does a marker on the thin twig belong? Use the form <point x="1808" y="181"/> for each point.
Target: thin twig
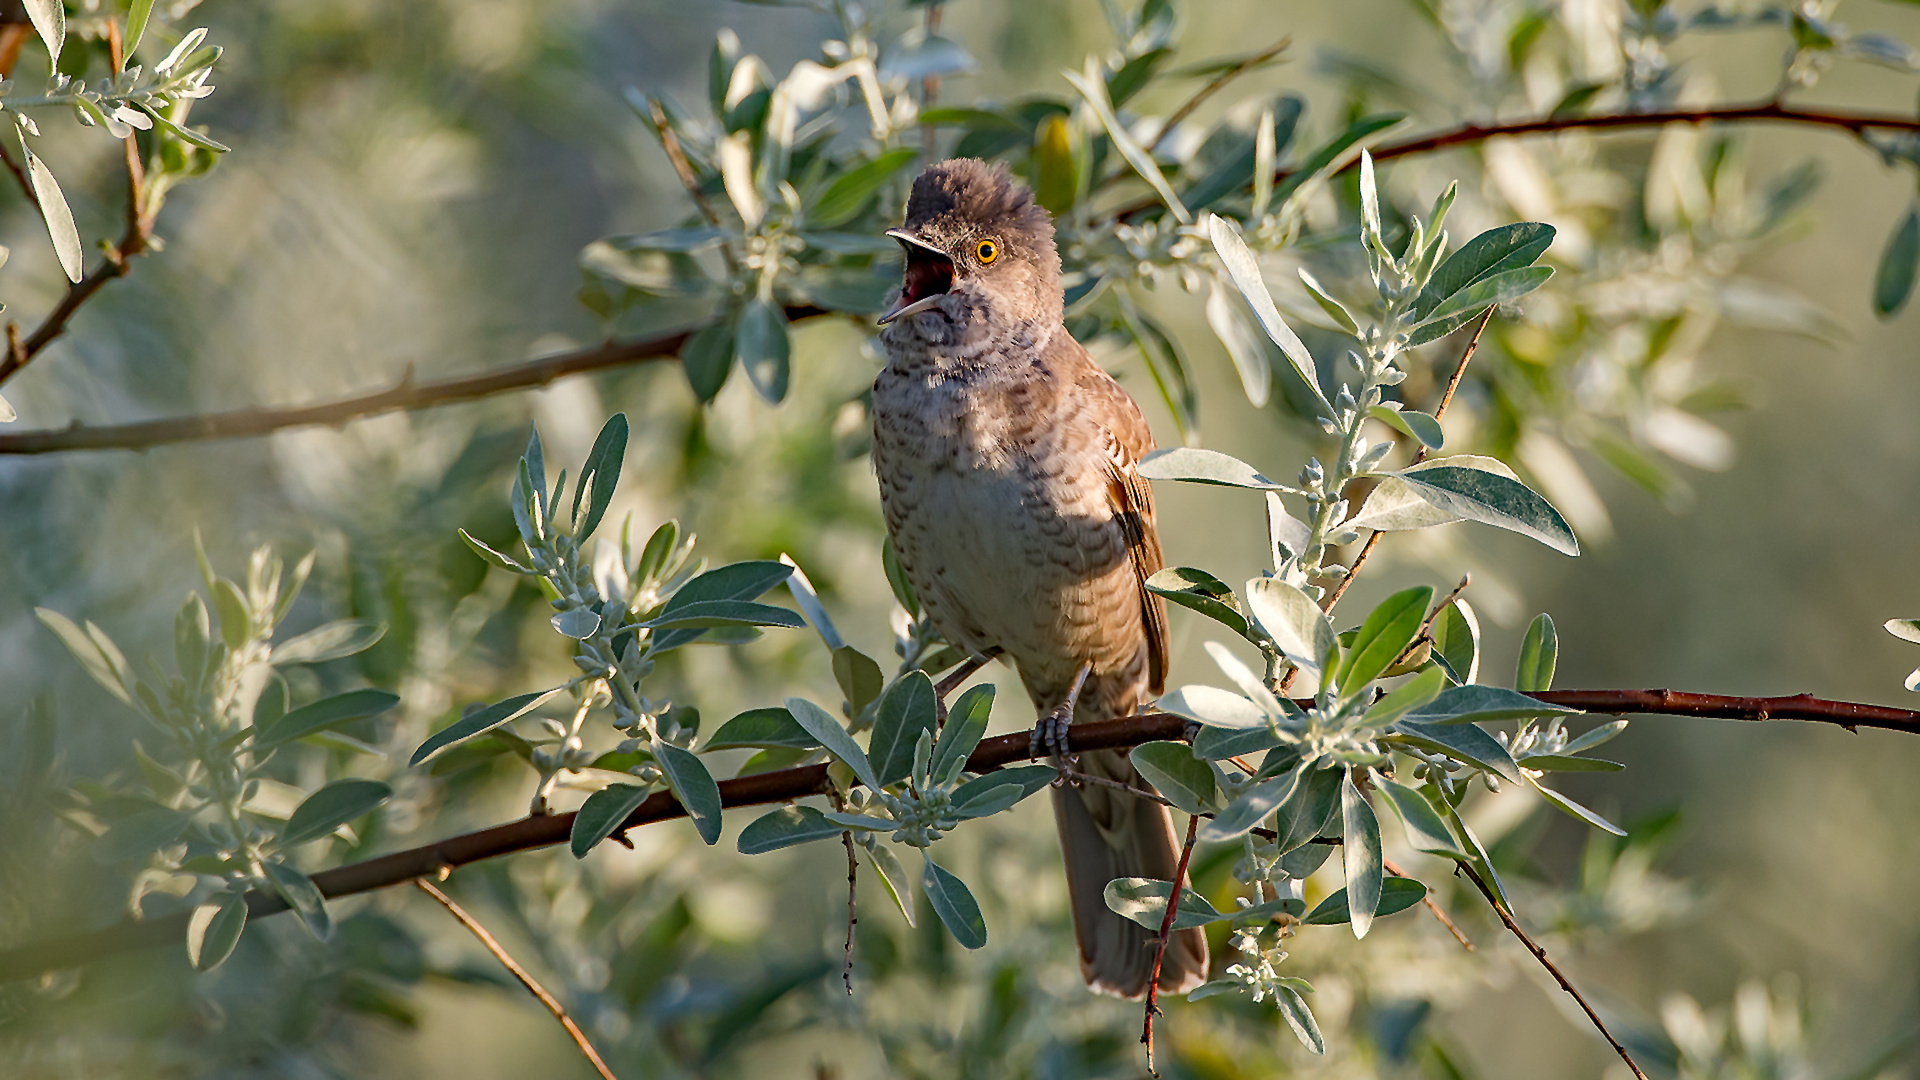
<point x="553" y="1006"/>
<point x="1540" y="954"/>
<point x="1446" y="399"/>
<point x="683" y="168"/>
<point x="1219" y="81"/>
<point x="929" y="87"/>
<point x="853" y="917"/>
<point x="1078" y="778"/>
<point x="1391" y="868"/>
<point x="786" y="785"/>
<point x="1166" y="935"/>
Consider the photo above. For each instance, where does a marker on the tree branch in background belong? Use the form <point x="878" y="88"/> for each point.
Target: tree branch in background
<point x="1446" y="399"/>
<point x="785" y="785"/>
<point x="1166" y="935"/>
<point x="1393" y="868"/>
<point x="118" y="261"/>
<point x="1540" y="954"/>
<point x="406" y="394"/>
<point x="553" y="1005"/>
<point x="1219" y="82"/>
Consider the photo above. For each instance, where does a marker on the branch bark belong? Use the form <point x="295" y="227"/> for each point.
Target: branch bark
<point x="786" y="785"/>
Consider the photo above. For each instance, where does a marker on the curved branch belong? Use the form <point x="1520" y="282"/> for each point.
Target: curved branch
<point x="244" y="423"/>
<point x="786" y="785"/>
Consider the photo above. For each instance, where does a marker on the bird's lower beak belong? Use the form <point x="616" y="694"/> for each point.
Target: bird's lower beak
<point x="927" y="277"/>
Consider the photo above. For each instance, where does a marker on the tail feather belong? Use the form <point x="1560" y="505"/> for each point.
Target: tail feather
<point x="1107" y="834"/>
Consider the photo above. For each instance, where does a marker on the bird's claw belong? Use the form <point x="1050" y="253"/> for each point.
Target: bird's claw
<point x="1050" y="741"/>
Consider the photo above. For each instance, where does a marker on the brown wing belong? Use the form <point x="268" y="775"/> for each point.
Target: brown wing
<point x="1128" y="439"/>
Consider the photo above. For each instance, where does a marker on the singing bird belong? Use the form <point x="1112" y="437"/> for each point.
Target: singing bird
<point x="1007" y="466"/>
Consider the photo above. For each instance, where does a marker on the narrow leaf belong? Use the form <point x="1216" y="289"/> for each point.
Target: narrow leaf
<point x="602" y="813"/>
<point x="53" y="204"/>
<point x="1385" y="634"/>
<point x="303" y="896"/>
<point x="330" y="642"/>
<point x="325" y="715"/>
<point x="1893" y="282"/>
<point x="481" y="721"/>
<point x="1539" y="651"/>
<point x="1177" y="775"/>
<point x="785" y="827"/>
<point x="955" y="905"/>
<point x="763" y="728"/>
<point x="1360" y="852"/>
<point x="1244" y="269"/>
<point x="906" y="710"/>
<point x="822" y="726"/>
<point x="214" y="930"/>
<point x="331" y="807"/>
<point x="966" y="724"/>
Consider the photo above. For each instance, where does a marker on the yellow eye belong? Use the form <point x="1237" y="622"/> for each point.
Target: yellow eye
<point x="987" y="251"/>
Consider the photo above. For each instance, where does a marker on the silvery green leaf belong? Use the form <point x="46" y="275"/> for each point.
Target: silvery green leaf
<point x="1426" y="830"/>
<point x="1369" y="197"/>
<point x="1250" y="684"/>
<point x="325" y="715"/>
<point x="785" y="827"/>
<point x="1300" y="1018"/>
<point x="859" y="677"/>
<point x="1478" y="704"/>
<point x="600" y="475"/>
<point x="1000" y="789"/>
<point x="1461" y="742"/>
<point x="761" y="344"/>
<point x="1214" y="707"/>
<point x="1165" y="363"/>
<point x="7" y="415"/>
<point x="707" y="358"/>
<point x="1397" y="894"/>
<point x="762" y="728"/>
<point x="734" y="155"/>
<point x="692" y="786"/>
<point x="822" y="726"/>
<point x="1574" y="809"/>
<point x="1093" y="89"/>
<point x="1486" y="497"/>
<point x="601" y="815"/>
<point x="839" y="243"/>
<point x="214" y="928"/>
<point x="1244" y="269"/>
<point x="1386" y="633"/>
<point x="1200" y="466"/>
<point x="966" y="723"/>
<point x="1904" y="629"/>
<point x="735" y="581"/>
<point x="1287" y="535"/>
<point x="1568" y="763"/>
<point x="710" y="613"/>
<point x="138" y="12"/>
<point x="1335" y="309"/>
<point x="856" y="290"/>
<point x="1249" y="807"/>
<point x="1539" y="650"/>
<point x="1295" y="624"/>
<point x="1180" y="778"/>
<point x="330" y="642"/>
<point x="1456" y="641"/>
<point x="1249" y="356"/>
<point x="1395" y="506"/>
<point x="955" y="905"/>
<point x="919" y="54"/>
<point x="1595" y="737"/>
<point x="1494" y="289"/>
<point x="303" y="896"/>
<point x="1218" y="743"/>
<point x="95" y="651"/>
<point x="140" y="834"/>
<point x="1893" y="282"/>
<point x="576" y="623"/>
<point x="860" y="822"/>
<point x="1144" y="900"/>
<point x="679" y="240"/>
<point x="1496" y="251"/>
<point x="1214" y="988"/>
<point x="893" y="875"/>
<point x="1197" y="590"/>
<point x="1360" y="851"/>
<point x="1408" y="696"/>
<point x="49" y="18"/>
<point x="480" y="721"/>
<point x="851" y="190"/>
<point x="906" y="710"/>
<point x="331" y="807"/>
<point x="1411" y="422"/>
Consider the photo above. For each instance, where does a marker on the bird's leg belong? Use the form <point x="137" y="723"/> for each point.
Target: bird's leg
<point x="1050" y="734"/>
<point x="953" y="680"/>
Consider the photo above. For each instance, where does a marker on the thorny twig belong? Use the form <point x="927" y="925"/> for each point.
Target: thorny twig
<point x="1438" y="913"/>
<point x="1166" y="935"/>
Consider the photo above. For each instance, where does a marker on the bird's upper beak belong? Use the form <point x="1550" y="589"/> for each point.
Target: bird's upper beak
<point x="928" y="276"/>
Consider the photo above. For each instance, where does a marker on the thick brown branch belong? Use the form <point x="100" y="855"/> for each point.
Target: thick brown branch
<point x="407" y="394"/>
<point x="1540" y="954"/>
<point x="499" y="952"/>
<point x="786" y="785"/>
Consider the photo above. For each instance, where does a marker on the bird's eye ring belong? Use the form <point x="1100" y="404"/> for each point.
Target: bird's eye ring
<point x="987" y="251"/>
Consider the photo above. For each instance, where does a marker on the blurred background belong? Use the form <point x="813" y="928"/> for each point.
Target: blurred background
<point x="411" y="187"/>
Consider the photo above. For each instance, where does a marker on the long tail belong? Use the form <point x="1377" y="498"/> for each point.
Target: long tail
<point x="1106" y="834"/>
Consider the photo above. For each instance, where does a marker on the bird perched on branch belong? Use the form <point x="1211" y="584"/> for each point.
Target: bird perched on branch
<point x="1006" y="459"/>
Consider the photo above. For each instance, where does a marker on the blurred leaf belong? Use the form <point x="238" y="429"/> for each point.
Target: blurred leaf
<point x="7" y="415"/>
<point x="1056" y="184"/>
<point x="955" y="905"/>
<point x="897" y="578"/>
<point x="1180" y="778"/>
<point x="480" y="721"/>
<point x="761" y="345"/>
<point x="1568" y="806"/>
<point x="330" y="642"/>
<point x="1244" y="269"/>
<point x="1300" y="1018"/>
<point x="1397" y="894"/>
<point x="786" y="827"/>
<point x="324" y="715"/>
<point x="140" y="834"/>
<point x="1165" y="364"/>
<point x="1893" y="282"/>
<point x="822" y="726"/>
<point x="1328" y="155"/>
<point x="919" y="54"/>
<point x="95" y="651"/>
<point x="851" y="190"/>
<point x="214" y="928"/>
<point x="303" y="896"/>
<point x="707" y="358"/>
<point x="1538" y="652"/>
<point x="331" y="807"/>
<point x="764" y="728"/>
<point x="138" y="12"/>
<point x="693" y="786"/>
<point x="1134" y="74"/>
<point x="1093" y="90"/>
<point x="601" y="815"/>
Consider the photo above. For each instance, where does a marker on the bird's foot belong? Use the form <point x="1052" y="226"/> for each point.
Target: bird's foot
<point x="1050" y="741"/>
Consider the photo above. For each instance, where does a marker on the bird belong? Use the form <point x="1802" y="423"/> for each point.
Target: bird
<point x="1007" y="462"/>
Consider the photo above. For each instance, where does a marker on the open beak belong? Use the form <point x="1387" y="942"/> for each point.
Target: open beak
<point x="928" y="276"/>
